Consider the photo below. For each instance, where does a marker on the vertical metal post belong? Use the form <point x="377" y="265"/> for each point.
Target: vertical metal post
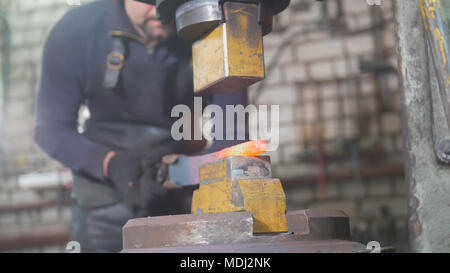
<point x="428" y="180"/>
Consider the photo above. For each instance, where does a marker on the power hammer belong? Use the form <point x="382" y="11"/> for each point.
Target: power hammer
<point x="226" y="36"/>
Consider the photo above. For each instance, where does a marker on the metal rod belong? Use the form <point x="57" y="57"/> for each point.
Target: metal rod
<point x="48" y="236"/>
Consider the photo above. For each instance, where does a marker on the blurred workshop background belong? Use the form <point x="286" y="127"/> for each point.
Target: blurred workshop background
<point x="331" y="68"/>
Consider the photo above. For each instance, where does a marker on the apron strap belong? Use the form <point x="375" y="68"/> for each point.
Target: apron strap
<point x="114" y="64"/>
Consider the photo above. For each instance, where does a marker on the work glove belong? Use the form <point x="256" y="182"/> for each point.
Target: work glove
<point x="134" y="174"/>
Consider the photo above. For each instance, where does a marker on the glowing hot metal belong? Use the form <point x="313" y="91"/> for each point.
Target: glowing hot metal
<point x="185" y="172"/>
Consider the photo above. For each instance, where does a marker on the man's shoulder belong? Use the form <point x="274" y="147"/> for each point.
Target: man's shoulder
<point x="84" y="19"/>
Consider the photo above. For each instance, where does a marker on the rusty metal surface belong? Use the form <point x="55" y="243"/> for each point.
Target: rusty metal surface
<point x="310" y="231"/>
<point x="325" y="246"/>
<point x="192" y="229"/>
<point x="319" y="224"/>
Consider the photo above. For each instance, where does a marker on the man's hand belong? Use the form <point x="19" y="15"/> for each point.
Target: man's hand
<point x="134" y="174"/>
<point x="124" y="171"/>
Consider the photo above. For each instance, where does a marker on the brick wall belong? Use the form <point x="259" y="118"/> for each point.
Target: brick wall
<point x="330" y="106"/>
<point x="30" y="22"/>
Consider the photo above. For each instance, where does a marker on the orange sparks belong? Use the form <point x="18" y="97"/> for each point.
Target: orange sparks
<point x="251" y="148"/>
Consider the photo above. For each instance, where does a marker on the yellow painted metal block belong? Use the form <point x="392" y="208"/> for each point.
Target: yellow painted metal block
<point x="214" y="197"/>
<point x="195" y="201"/>
<point x="266" y="200"/>
<point x="214" y="171"/>
<point x="244" y="41"/>
<point x="231" y="57"/>
<point x="208" y="59"/>
<point x="232" y="184"/>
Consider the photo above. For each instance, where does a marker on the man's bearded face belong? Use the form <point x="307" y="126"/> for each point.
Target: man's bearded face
<point x="143" y="18"/>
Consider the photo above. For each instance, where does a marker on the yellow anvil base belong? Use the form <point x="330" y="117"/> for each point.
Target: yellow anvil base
<point x="264" y="198"/>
